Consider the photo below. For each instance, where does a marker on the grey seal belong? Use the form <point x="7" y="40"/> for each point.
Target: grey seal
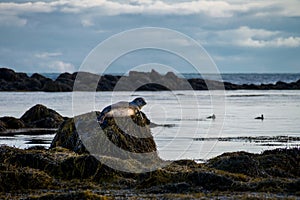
<point x="122" y="109"/>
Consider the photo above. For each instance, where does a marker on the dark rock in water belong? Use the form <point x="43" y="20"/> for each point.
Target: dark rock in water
<point x="8" y="75"/>
<point x="2" y="126"/>
<point x="148" y="81"/>
<point x="39" y="116"/>
<point x="129" y="133"/>
<point x="12" y="123"/>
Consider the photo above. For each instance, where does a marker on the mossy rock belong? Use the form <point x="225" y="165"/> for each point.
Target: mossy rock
<point x="24" y="179"/>
<point x="281" y="162"/>
<point x="39" y="116"/>
<point x="238" y="162"/>
<point x="128" y="133"/>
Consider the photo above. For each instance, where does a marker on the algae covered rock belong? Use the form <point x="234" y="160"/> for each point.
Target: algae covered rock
<point x="238" y="162"/>
<point x="67" y="137"/>
<point x="130" y="133"/>
<point x="39" y="116"/>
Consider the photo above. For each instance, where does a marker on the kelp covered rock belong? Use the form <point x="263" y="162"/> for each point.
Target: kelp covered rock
<point x="42" y="117"/>
<point x="271" y="163"/>
<point x="130" y="133"/>
<point x="60" y="173"/>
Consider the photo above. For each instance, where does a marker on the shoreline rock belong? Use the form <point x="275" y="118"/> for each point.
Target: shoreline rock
<point x="36" y="121"/>
<point x="39" y="173"/>
<point x="142" y="81"/>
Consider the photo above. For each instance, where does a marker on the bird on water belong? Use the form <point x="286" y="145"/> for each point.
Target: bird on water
<point x="261" y="117"/>
<point x="211" y="117"/>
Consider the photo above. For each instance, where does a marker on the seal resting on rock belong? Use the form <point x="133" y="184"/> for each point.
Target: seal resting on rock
<point x="122" y="109"/>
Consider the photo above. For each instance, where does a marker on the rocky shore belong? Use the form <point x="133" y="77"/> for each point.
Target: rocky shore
<point x="37" y="120"/>
<point x="153" y="81"/>
<point x="70" y="170"/>
<point x="59" y="173"/>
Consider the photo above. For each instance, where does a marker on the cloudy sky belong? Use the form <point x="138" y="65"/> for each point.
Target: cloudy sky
<point x="240" y="35"/>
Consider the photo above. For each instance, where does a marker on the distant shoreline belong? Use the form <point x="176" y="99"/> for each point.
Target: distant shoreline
<point x="140" y="81"/>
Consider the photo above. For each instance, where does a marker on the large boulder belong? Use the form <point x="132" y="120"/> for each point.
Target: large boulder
<point x="39" y="116"/>
<point x="8" y="74"/>
<point x="131" y="133"/>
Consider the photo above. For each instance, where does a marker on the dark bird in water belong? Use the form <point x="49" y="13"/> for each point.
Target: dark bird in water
<point x="211" y="117"/>
<point x="122" y="109"/>
<point x="261" y="117"/>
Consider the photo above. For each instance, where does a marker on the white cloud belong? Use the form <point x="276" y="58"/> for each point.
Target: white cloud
<point x="87" y="23"/>
<point x="60" y="66"/>
<point x="218" y="8"/>
<point x="248" y="37"/>
<point x="8" y="20"/>
<point x="48" y="54"/>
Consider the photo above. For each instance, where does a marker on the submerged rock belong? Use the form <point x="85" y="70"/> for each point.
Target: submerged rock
<point x="39" y="116"/>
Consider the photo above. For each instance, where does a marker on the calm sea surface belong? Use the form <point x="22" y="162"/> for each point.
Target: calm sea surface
<point x="192" y="134"/>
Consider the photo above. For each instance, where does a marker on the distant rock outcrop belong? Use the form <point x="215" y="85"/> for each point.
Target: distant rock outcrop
<point x="145" y="81"/>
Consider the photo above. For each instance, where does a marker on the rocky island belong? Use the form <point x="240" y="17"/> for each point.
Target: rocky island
<point x="14" y="81"/>
<point x="68" y="170"/>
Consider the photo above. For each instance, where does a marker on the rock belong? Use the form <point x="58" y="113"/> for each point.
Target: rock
<point x="42" y="79"/>
<point x="67" y="137"/>
<point x="147" y="81"/>
<point x="23" y="179"/>
<point x="239" y="162"/>
<point x="39" y="116"/>
<point x="12" y="123"/>
<point x="134" y="136"/>
<point x="2" y="126"/>
<point x="8" y="74"/>
<point x="59" y="173"/>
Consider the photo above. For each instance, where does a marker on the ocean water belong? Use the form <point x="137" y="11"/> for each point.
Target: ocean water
<point x="191" y="135"/>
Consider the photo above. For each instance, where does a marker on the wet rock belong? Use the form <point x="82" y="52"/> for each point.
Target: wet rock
<point x="129" y="133"/>
<point x="8" y="75"/>
<point x="15" y="179"/>
<point x="239" y="162"/>
<point x="148" y="81"/>
<point x="39" y="116"/>
<point x="12" y="123"/>
<point x="67" y="137"/>
<point x="58" y="173"/>
<point x="2" y="126"/>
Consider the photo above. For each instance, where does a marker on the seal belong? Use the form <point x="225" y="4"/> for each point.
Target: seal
<point x="122" y="109"/>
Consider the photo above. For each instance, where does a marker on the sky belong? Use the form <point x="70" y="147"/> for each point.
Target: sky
<point x="241" y="36"/>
